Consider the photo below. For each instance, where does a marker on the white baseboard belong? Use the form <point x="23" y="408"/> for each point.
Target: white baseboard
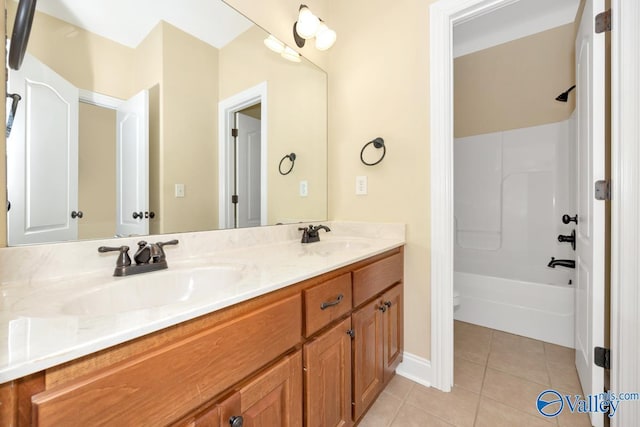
<point x="415" y="368"/>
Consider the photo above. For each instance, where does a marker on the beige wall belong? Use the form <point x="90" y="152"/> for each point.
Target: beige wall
<point x="96" y="174"/>
<point x="75" y="55"/>
<point x="500" y="88"/>
<point x="378" y="86"/>
<point x="189" y="116"/>
<point x="379" y="79"/>
<point x="297" y="112"/>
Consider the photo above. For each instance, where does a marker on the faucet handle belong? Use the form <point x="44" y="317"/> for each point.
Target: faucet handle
<point x="157" y="251"/>
<point x="123" y="259"/>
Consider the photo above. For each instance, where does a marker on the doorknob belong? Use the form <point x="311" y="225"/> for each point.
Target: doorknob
<point x="75" y="214"/>
<point x="137" y="215"/>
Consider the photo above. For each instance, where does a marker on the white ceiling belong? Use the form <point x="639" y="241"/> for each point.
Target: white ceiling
<point x="519" y="19"/>
<point x="129" y="21"/>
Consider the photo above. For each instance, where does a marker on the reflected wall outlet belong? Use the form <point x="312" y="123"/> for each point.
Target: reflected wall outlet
<point x="179" y="190"/>
<point x="304" y="188"/>
<point x="361" y="185"/>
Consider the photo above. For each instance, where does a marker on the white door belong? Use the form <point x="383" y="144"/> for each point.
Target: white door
<point x="248" y="171"/>
<point x="42" y="157"/>
<point x="132" y="166"/>
<point x="590" y="101"/>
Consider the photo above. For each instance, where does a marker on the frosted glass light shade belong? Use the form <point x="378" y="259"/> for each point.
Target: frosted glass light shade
<point x="308" y="23"/>
<point x="290" y="55"/>
<point x="325" y="37"/>
<point x="274" y="44"/>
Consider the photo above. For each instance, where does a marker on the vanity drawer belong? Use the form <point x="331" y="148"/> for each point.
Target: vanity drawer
<point x="159" y="387"/>
<point x="374" y="278"/>
<point x="326" y="302"/>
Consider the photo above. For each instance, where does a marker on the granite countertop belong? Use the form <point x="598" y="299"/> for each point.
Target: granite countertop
<point x="39" y="330"/>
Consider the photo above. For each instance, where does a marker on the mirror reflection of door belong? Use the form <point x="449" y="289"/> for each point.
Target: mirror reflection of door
<point x="132" y="166"/>
<point x="42" y="160"/>
<point x="247" y="161"/>
<point x="56" y="152"/>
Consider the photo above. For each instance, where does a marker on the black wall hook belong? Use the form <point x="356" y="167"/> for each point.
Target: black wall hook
<point x="292" y="158"/>
<point x="377" y="143"/>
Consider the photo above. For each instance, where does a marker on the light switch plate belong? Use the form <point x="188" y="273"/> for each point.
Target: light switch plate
<point x="179" y="190"/>
<point x="361" y="185"/>
<point x="304" y="188"/>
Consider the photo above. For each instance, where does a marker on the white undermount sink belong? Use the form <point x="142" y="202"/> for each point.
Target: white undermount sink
<point x="151" y="290"/>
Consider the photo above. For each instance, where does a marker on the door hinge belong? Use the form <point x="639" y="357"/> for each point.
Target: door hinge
<point x="234" y="199"/>
<point x="234" y="132"/>
<point x="602" y="357"/>
<point x="603" y="22"/>
<point x="602" y="190"/>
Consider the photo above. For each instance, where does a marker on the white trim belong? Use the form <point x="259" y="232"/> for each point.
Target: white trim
<point x="625" y="207"/>
<point x="226" y="109"/>
<point x="100" y="100"/>
<point x="415" y="368"/>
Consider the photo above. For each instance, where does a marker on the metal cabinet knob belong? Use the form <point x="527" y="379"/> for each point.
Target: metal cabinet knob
<point x="236" y="421"/>
<point x="382" y="308"/>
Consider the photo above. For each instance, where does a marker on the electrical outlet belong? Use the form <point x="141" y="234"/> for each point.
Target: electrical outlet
<point x="361" y="185"/>
<point x="304" y="188"/>
<point x="179" y="190"/>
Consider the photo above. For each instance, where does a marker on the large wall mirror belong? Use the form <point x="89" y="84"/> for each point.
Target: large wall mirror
<point x="125" y="123"/>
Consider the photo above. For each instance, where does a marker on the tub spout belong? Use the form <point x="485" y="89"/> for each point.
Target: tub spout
<point x="569" y="263"/>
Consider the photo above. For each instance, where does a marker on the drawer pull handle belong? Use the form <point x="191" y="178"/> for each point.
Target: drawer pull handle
<point x="325" y="305"/>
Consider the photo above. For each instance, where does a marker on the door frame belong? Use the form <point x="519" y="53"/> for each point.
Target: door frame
<point x="226" y="111"/>
<point x="625" y="218"/>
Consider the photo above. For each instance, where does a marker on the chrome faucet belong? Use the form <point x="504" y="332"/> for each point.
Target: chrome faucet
<point x="310" y="234"/>
<point x="569" y="263"/>
<point x="148" y="257"/>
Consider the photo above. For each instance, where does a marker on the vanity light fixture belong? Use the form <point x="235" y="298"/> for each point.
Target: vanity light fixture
<point x="290" y="54"/>
<point x="278" y="47"/>
<point x="274" y="44"/>
<point x="308" y="26"/>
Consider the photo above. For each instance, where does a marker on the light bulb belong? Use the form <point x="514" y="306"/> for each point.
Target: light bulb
<point x="274" y="44"/>
<point x="290" y="54"/>
<point x="325" y="37"/>
<point x="308" y="23"/>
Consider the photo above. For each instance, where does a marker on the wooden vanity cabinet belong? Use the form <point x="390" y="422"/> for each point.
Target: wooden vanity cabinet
<point x="313" y="354"/>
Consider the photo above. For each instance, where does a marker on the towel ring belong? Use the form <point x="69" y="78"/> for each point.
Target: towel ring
<point x="292" y="158"/>
<point x="377" y="143"/>
<point x="21" y="31"/>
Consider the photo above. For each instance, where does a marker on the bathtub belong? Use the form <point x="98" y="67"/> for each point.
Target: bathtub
<point x="536" y="310"/>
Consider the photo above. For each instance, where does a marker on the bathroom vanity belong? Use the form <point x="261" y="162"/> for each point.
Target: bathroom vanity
<point x="313" y="351"/>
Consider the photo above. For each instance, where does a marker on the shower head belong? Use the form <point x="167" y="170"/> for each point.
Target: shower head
<point x="564" y="96"/>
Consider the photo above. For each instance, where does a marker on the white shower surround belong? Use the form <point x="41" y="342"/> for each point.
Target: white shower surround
<point x="511" y="190"/>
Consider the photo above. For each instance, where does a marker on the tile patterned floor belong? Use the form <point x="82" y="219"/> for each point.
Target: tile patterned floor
<point x="498" y="377"/>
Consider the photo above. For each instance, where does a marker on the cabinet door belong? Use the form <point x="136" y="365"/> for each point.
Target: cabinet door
<point x="221" y="414"/>
<point x="393" y="330"/>
<point x="274" y="397"/>
<point x="367" y="355"/>
<point x="327" y="362"/>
